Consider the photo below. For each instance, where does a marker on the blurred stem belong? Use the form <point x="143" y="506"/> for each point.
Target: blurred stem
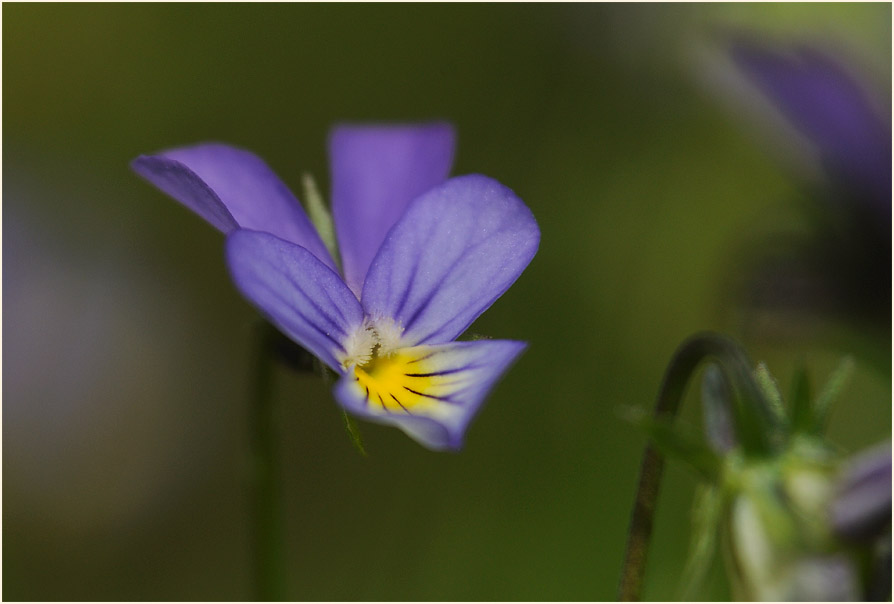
<point x="755" y="430"/>
<point x="265" y="488"/>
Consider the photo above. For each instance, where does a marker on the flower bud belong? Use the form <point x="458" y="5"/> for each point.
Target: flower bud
<point x="781" y="542"/>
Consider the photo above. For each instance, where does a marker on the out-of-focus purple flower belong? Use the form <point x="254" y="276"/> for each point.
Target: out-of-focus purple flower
<point x="422" y="258"/>
<point x="843" y="267"/>
<point x="862" y="506"/>
<point x="829" y="107"/>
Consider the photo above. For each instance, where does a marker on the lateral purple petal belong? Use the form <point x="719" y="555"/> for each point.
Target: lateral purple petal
<point x="453" y="253"/>
<point x="376" y="172"/>
<point x="185" y="186"/>
<point x="299" y="294"/>
<point x="232" y="188"/>
<point x="465" y="372"/>
<point x="829" y="107"/>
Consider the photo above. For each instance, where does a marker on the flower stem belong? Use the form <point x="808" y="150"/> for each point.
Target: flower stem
<point x="758" y="438"/>
<point x="265" y="487"/>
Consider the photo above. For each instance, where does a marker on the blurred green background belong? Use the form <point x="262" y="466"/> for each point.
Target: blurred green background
<point x="127" y="349"/>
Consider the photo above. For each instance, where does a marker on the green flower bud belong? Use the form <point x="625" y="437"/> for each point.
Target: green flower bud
<point x="780" y="542"/>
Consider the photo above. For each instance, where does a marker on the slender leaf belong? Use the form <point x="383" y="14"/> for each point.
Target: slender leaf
<point x="840" y="377"/>
<point x="354" y="432"/>
<point x="771" y="391"/>
<point x="320" y="216"/>
<point x="677" y="443"/>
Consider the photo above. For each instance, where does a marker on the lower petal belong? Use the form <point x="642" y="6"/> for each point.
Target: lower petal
<point x="430" y="392"/>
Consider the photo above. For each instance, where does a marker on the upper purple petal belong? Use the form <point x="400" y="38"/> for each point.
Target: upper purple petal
<point x="829" y="107"/>
<point x="304" y="298"/>
<point x="376" y="172"/>
<point x="453" y="253"/>
<point x="232" y="188"/>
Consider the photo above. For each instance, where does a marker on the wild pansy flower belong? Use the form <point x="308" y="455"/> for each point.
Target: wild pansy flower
<point x="422" y="256"/>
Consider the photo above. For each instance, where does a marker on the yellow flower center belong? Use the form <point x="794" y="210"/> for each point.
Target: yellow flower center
<point x="399" y="381"/>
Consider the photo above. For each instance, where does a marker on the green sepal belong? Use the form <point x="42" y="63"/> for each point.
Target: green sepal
<point x="354" y="432"/>
<point x="770" y="388"/>
<point x="839" y="378"/>
<point x="759" y="430"/>
<point x="675" y="442"/>
<point x="320" y="216"/>
<point x="707" y="507"/>
<point x="351" y="426"/>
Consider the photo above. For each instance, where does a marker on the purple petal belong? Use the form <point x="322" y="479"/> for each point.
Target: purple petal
<point x="304" y="298"/>
<point x="717" y="410"/>
<point x="453" y="253"/>
<point x="429" y="392"/>
<point x="185" y="186"/>
<point x="863" y="504"/>
<point x="821" y="578"/>
<point x="376" y="172"/>
<point x="232" y="188"/>
<point x="829" y="107"/>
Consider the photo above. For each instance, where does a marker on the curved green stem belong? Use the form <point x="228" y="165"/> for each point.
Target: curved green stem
<point x="755" y="430"/>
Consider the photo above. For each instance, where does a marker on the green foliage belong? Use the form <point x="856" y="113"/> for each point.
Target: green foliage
<point x="676" y="442"/>
<point x="801" y="405"/>
<point x="833" y="387"/>
<point x="354" y="432"/>
<point x="758" y="449"/>
<point x="320" y="215"/>
<point x="771" y="390"/>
